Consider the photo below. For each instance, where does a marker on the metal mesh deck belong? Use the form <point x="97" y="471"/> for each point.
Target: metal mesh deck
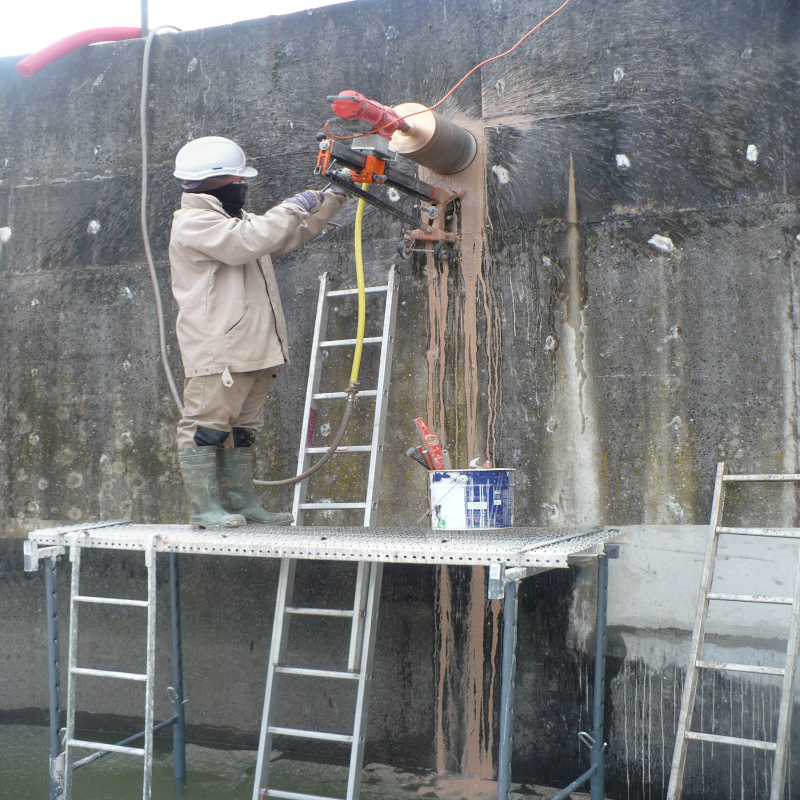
<point x="511" y="547"/>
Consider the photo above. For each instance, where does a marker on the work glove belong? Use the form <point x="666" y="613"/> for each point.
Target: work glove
<point x="308" y="201"/>
<point x="332" y="188"/>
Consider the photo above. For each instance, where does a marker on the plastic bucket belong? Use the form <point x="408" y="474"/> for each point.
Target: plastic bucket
<point x="472" y="498"/>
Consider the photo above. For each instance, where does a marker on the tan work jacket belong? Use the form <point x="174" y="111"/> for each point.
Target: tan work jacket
<point x="222" y="277"/>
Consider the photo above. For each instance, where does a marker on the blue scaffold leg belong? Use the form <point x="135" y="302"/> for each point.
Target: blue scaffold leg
<point x="597" y="755"/>
<point x="596" y="774"/>
<point x="510" y="607"/>
<point x="179" y="728"/>
<point x="53" y="670"/>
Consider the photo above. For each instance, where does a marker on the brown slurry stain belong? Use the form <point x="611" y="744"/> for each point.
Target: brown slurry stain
<point x="476" y="755"/>
<point x="465" y="690"/>
<point x="443" y="302"/>
<point x="479" y="740"/>
<point x="473" y="215"/>
<point x="445" y="634"/>
<point x="495" y="607"/>
<point x="494" y="342"/>
<point x="434" y="356"/>
<point x="437" y="321"/>
<point x="459" y="787"/>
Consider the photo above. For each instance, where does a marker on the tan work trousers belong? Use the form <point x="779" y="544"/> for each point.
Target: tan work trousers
<point x="209" y="403"/>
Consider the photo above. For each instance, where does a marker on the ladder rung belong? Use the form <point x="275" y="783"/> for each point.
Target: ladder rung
<point x="367" y="290"/>
<point x="712" y="737"/>
<point x="111" y="601"/>
<point x="296" y="795"/>
<point x="107" y="673"/>
<point x="778" y="533"/>
<point x="353" y="448"/>
<point x="750" y="598"/>
<point x="741" y="667"/>
<point x="319" y="612"/>
<point x="110" y="748"/>
<point x="767" y="478"/>
<point x="330" y="506"/>
<point x="342" y="395"/>
<point x="318" y="673"/>
<point x="350" y="342"/>
<point x="328" y="737"/>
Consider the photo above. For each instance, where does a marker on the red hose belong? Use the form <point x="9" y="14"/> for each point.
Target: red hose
<point x="36" y="61"/>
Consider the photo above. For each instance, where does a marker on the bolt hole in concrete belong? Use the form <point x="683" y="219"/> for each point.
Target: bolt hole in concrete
<point x="218" y="772"/>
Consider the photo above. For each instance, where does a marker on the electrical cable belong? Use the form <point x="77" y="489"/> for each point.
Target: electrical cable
<point x="457" y="85"/>
<point x="162" y="337"/>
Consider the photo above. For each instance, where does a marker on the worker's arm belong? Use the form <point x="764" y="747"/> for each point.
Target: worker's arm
<point x="237" y="241"/>
<point x="327" y="204"/>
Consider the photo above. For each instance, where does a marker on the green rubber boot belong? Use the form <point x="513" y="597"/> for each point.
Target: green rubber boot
<point x="237" y="490"/>
<point x="199" y="470"/>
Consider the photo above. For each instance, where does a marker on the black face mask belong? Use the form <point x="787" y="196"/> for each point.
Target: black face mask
<point x="231" y="196"/>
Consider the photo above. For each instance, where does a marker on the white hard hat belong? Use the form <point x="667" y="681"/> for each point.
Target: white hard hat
<point x="210" y="156"/>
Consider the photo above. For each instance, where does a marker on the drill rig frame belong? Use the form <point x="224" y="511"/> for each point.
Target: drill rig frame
<point x="372" y="162"/>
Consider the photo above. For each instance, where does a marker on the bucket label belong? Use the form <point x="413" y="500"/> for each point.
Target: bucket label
<point x="474" y="498"/>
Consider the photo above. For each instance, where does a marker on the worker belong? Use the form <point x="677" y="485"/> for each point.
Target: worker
<point x="231" y="329"/>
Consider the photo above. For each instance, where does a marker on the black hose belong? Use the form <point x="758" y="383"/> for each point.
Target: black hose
<point x="348" y="408"/>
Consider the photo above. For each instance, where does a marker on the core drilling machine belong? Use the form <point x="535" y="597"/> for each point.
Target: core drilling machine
<point x="409" y="131"/>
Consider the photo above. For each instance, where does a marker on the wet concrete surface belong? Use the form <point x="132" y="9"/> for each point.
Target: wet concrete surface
<point x="214" y="773"/>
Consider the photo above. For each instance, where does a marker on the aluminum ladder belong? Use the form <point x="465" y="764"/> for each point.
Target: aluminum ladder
<point x="684" y="735"/>
<point x="73" y="671"/>
<point x="364" y="613"/>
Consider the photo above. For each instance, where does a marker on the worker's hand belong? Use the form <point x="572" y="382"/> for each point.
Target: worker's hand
<point x="332" y="188"/>
<point x="308" y="200"/>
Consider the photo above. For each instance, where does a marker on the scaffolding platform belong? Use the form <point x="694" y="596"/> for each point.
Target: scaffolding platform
<point x="527" y="548"/>
<point x="511" y="555"/>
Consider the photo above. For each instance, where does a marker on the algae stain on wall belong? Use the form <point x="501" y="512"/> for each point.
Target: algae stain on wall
<point x="790" y="368"/>
<point x="573" y="489"/>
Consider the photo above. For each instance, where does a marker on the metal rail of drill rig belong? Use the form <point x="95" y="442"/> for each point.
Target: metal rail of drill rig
<point x="373" y="157"/>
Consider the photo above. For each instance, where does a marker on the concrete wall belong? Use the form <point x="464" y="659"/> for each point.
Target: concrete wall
<point x="611" y="374"/>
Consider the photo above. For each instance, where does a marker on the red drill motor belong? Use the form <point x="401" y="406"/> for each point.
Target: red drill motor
<point x="382" y="120"/>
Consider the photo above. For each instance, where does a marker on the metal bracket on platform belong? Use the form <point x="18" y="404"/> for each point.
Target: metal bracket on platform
<point x="499" y="576"/>
<point x="595" y="551"/>
<point x="612" y="550"/>
<point x="33" y="553"/>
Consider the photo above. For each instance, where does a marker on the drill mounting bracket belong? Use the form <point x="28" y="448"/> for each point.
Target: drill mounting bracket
<point x="348" y="167"/>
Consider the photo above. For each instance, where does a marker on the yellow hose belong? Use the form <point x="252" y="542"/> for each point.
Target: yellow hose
<point x="362" y="297"/>
<point x="352" y="390"/>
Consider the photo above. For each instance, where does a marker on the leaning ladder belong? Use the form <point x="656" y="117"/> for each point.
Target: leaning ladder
<point x="364" y="613"/>
<point x="684" y="735"/>
<point x="76" y="599"/>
